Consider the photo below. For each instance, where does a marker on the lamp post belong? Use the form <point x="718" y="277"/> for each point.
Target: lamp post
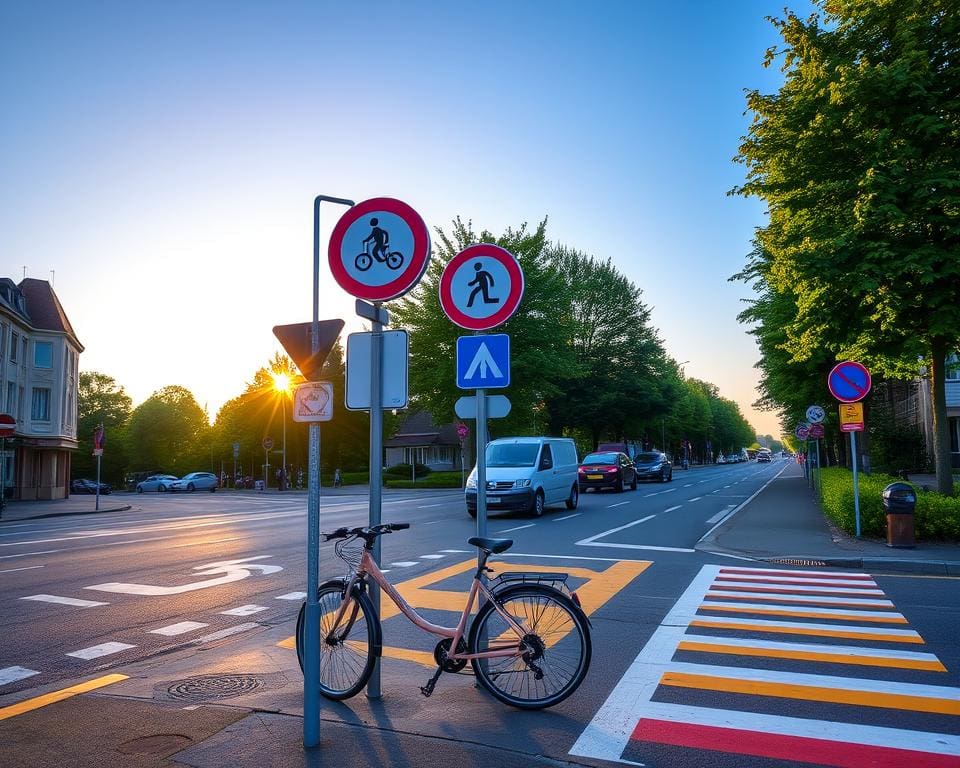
<point x="281" y="383"/>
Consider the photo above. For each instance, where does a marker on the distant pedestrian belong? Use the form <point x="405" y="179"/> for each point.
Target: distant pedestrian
<point x="337" y="478"/>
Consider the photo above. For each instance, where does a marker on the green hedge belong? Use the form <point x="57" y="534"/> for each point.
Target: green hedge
<point x="433" y="480"/>
<point x="935" y="516"/>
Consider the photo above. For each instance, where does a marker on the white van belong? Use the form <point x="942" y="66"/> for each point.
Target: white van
<point x="528" y="474"/>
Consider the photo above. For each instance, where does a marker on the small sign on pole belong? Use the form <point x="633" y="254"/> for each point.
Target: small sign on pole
<point x="313" y="401"/>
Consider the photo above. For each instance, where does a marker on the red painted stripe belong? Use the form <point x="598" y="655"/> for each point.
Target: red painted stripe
<point x="754" y="572"/>
<point x="798" y="748"/>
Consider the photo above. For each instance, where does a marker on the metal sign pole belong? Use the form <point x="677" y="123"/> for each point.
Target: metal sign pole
<point x="481" y="395"/>
<point x="97" y="504"/>
<point x="856" y="480"/>
<point x="376" y="466"/>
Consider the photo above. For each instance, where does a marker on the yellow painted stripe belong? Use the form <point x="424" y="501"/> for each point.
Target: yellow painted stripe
<point x="290" y="643"/>
<point x="818" y="632"/>
<point x="52" y="698"/>
<point x="931" y="665"/>
<point x="813" y="693"/>
<point x="802" y="614"/>
<point x="405" y="654"/>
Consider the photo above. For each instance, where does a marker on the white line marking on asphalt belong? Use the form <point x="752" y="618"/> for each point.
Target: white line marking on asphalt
<point x="695" y="498"/>
<point x="292" y="596"/>
<point x="64" y="601"/>
<point x="618" y="504"/>
<point x="455" y="551"/>
<point x="843" y="587"/>
<point x="849" y="651"/>
<point x="716" y="593"/>
<point x="566" y="517"/>
<point x="179" y="629"/>
<point x="428" y="506"/>
<point x="893" y="617"/>
<point x="226" y="632"/>
<point x="201" y="543"/>
<point x="720" y="515"/>
<point x="760" y="579"/>
<point x="670" y="509"/>
<point x="12" y="674"/>
<point x="244" y="610"/>
<point x="431" y="557"/>
<point x="806" y="627"/>
<point x="404" y="564"/>
<point x="573" y="557"/>
<point x="773" y="573"/>
<point x="28" y="568"/>
<point x="104" y="649"/>
<point x="31" y="554"/>
<point x="591" y="541"/>
<point x="688" y="485"/>
<point x="518" y="528"/>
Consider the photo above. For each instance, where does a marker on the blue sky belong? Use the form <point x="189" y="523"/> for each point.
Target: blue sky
<point x="161" y="160"/>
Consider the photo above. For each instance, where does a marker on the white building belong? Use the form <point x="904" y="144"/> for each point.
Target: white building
<point x="39" y="376"/>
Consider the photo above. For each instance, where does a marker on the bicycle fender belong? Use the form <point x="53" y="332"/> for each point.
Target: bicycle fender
<point x="360" y="593"/>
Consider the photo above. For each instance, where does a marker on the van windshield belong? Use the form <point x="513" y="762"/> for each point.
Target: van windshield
<point x="512" y="454"/>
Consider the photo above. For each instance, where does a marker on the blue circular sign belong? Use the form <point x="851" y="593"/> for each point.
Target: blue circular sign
<point x="849" y="382"/>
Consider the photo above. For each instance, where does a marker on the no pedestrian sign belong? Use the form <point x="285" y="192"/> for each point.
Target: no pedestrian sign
<point x="379" y="249"/>
<point x="481" y="287"/>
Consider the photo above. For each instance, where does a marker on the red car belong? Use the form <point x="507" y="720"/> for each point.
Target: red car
<point x="609" y="469"/>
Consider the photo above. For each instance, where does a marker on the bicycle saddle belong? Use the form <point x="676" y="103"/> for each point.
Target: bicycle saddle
<point x="491" y="545"/>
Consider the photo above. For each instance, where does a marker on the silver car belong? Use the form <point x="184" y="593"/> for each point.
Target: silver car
<point x="196" y="481"/>
<point x="159" y="483"/>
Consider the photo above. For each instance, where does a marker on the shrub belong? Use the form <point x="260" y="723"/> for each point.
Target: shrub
<point x="935" y="516"/>
<point x="402" y="471"/>
<point x="435" y="480"/>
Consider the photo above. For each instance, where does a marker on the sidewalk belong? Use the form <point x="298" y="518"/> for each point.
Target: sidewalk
<point x="784" y="524"/>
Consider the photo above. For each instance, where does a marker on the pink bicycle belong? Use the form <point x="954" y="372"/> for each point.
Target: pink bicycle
<point x="529" y="643"/>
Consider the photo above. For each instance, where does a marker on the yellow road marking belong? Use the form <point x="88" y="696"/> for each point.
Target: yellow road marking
<point x="836" y="658"/>
<point x="52" y="698"/>
<point x="816" y="632"/>
<point x="813" y="693"/>
<point x="801" y="614"/>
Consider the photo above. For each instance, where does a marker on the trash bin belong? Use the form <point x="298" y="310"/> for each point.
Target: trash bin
<point x="899" y="501"/>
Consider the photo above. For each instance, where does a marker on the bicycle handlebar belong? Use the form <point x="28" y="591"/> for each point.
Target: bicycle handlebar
<point x="365" y="531"/>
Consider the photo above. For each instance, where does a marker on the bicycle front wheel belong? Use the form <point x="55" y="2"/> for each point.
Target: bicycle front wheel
<point x="347" y="650"/>
<point x="556" y="650"/>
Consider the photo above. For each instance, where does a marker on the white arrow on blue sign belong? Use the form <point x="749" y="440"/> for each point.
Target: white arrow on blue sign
<point x="483" y="362"/>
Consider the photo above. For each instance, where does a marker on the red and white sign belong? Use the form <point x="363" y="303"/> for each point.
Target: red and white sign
<point x="379" y="249"/>
<point x="849" y="381"/>
<point x="313" y="401"/>
<point x="7" y="425"/>
<point x="816" y="431"/>
<point x="481" y="287"/>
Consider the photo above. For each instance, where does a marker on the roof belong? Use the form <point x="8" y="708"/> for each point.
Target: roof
<point x="418" y="429"/>
<point x="44" y="309"/>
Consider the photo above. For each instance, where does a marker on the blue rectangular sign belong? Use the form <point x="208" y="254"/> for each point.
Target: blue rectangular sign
<point x="483" y="362"/>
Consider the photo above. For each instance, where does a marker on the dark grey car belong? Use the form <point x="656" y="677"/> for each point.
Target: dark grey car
<point x="653" y="465"/>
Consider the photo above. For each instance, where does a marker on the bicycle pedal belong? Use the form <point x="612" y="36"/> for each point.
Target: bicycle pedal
<point x="427" y="689"/>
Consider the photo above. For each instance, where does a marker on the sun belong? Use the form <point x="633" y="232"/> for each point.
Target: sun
<point x="281" y="382"/>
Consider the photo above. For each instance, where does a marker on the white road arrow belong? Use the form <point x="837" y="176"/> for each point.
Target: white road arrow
<point x="232" y="570"/>
<point x="483" y="360"/>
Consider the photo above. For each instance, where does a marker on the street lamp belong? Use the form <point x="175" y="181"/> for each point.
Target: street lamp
<point x="281" y="383"/>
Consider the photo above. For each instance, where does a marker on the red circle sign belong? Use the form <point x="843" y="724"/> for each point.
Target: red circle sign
<point x="481" y="287"/>
<point x="379" y="249"/>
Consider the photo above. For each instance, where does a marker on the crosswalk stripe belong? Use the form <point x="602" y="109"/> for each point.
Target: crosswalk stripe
<point x="862" y="602"/>
<point x="104" y="649"/>
<point x="877" y="617"/>
<point x="804" y="628"/>
<point x="64" y="601"/>
<point x="12" y="674"/>
<point x="799" y="582"/>
<point x="798" y="574"/>
<point x="840" y="589"/>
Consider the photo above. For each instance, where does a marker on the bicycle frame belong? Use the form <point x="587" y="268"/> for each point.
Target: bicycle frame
<point x="368" y="567"/>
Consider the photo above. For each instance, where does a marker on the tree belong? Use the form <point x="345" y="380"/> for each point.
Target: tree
<point x="101" y="401"/>
<point x="858" y="159"/>
<point x="169" y="432"/>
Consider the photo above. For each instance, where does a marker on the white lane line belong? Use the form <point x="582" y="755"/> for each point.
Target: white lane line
<point x="591" y="541"/>
<point x="28" y="568"/>
<point x="226" y="632"/>
<point x="720" y="593"/>
<point x="244" y="610"/>
<point x="12" y="674"/>
<point x="566" y="517"/>
<point x="455" y="551"/>
<point x="688" y="485"/>
<point x="292" y="596"/>
<point x="402" y="564"/>
<point x="670" y="509"/>
<point x="720" y="515"/>
<point x="618" y="504"/>
<point x="429" y="506"/>
<point x="431" y="557"/>
<point x="31" y="554"/>
<point x="64" y="601"/>
<point x="104" y="649"/>
<point x="814" y="648"/>
<point x="696" y="498"/>
<point x="179" y="629"/>
<point x="518" y="528"/>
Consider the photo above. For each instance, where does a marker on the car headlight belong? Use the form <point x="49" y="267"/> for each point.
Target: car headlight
<point x="472" y="479"/>
<point x="521" y="483"/>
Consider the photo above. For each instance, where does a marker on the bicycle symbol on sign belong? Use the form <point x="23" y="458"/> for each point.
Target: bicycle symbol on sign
<point x="381" y="240"/>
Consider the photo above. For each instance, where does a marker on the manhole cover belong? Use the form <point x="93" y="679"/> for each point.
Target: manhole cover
<point x="208" y="687"/>
<point x="158" y="744"/>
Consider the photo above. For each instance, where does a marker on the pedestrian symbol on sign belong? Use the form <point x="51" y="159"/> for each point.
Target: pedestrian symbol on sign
<point x="483" y="281"/>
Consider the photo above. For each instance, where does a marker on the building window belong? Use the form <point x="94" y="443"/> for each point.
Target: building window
<point x="3" y="339"/>
<point x="42" y="354"/>
<point x="954" y="435"/>
<point x="40" y="408"/>
<point x="11" y="398"/>
<point x="953" y="367"/>
<point x="14" y="343"/>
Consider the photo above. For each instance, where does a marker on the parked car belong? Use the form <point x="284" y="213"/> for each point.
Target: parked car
<point x="653" y="465"/>
<point x="159" y="483"/>
<point x="609" y="469"/>
<point x="195" y="481"/>
<point x="527" y="474"/>
<point x="89" y="486"/>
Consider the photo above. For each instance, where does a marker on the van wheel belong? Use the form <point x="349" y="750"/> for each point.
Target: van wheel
<point x="538" y="504"/>
<point x="574" y="497"/>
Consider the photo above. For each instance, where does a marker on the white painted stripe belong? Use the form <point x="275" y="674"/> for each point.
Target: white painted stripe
<point x="801" y="598"/>
<point x="670" y="509"/>
<point x="429" y="506"/>
<point x="226" y="632"/>
<point x="244" y="610"/>
<point x="815" y="574"/>
<point x="518" y="528"/>
<point x="12" y="674"/>
<point x="833" y="682"/>
<point x="572" y="557"/>
<point x="403" y="564"/>
<point x="688" y="485"/>
<point x="27" y="568"/>
<point x="840" y="613"/>
<point x="591" y="539"/>
<point x="64" y="601"/>
<point x="179" y="629"/>
<point x="840" y="650"/>
<point x="31" y="554"/>
<point x="761" y="625"/>
<point x="104" y="649"/>
<point x="639" y="546"/>
<point x="455" y="551"/>
<point x="566" y="517"/>
<point x="696" y="498"/>
<point x="720" y="515"/>
<point x="292" y="596"/>
<point x="432" y="557"/>
<point x="791" y="581"/>
<point x="800" y="588"/>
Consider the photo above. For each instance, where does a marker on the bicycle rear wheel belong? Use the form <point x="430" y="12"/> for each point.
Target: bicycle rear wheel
<point x="558" y="647"/>
<point x="347" y="651"/>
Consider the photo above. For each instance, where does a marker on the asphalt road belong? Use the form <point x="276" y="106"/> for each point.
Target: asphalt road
<point x="86" y="595"/>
